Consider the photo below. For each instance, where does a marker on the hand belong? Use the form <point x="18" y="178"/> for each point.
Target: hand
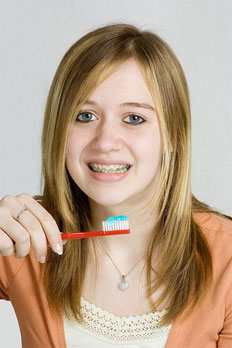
<point x="23" y="221"/>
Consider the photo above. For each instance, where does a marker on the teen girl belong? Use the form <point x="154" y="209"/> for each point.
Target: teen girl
<point x="117" y="141"/>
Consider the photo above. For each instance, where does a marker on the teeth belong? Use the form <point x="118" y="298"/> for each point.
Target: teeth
<point x="112" y="168"/>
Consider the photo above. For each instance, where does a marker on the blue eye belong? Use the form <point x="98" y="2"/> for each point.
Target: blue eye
<point x="135" y="119"/>
<point x="85" y="117"/>
<point x="88" y="117"/>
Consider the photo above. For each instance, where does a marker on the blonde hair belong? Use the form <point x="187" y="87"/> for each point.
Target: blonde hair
<point x="185" y="267"/>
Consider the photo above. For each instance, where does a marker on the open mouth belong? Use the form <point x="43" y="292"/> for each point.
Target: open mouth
<point x="109" y="169"/>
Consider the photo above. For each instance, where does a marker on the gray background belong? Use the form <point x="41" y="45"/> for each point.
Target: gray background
<point x="36" y="34"/>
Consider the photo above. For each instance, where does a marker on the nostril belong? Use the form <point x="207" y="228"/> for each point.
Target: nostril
<point x="106" y="142"/>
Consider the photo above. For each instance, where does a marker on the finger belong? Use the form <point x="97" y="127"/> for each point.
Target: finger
<point x="46" y="220"/>
<point x="6" y="244"/>
<point x="16" y="205"/>
<point x="15" y="232"/>
<point x="64" y="241"/>
<point x="36" y="233"/>
<point x="26" y="233"/>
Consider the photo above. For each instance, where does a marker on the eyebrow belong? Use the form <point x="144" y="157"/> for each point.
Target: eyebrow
<point x="137" y="105"/>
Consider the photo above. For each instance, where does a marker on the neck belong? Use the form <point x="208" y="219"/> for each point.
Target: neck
<point x="124" y="247"/>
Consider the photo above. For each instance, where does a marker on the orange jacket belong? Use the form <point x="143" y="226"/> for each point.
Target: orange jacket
<point x="210" y="326"/>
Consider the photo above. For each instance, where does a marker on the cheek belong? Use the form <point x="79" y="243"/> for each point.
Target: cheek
<point x="76" y="143"/>
<point x="147" y="148"/>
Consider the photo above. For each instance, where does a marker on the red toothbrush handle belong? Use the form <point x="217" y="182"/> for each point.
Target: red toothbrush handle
<point x="76" y="235"/>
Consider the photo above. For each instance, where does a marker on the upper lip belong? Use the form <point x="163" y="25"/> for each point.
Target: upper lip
<point x="101" y="161"/>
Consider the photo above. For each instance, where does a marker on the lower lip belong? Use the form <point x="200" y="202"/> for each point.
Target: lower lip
<point x="103" y="177"/>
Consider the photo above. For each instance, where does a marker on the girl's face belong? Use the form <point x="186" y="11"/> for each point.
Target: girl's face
<point x="109" y="134"/>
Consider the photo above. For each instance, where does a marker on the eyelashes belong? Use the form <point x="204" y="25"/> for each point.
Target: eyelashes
<point x="135" y="118"/>
<point x="86" y="117"/>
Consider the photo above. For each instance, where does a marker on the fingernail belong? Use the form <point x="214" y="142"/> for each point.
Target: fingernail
<point x="42" y="259"/>
<point x="58" y="249"/>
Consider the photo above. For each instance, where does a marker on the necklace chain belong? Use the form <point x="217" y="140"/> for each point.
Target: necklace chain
<point x="122" y="276"/>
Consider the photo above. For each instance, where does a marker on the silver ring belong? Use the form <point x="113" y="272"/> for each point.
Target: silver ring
<point x="17" y="217"/>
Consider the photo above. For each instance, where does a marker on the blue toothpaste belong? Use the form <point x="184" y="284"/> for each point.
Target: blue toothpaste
<point x="116" y="223"/>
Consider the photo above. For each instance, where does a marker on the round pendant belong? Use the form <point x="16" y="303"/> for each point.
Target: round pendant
<point x="123" y="285"/>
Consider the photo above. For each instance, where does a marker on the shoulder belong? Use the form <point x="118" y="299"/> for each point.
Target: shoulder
<point x="213" y="316"/>
<point x="214" y="225"/>
<point x="218" y="231"/>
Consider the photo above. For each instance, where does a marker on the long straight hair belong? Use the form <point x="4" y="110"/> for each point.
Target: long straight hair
<point x="185" y="261"/>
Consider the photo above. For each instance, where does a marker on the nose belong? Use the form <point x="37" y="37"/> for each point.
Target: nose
<point x="107" y="138"/>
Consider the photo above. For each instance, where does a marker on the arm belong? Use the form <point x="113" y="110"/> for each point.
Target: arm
<point x="225" y="336"/>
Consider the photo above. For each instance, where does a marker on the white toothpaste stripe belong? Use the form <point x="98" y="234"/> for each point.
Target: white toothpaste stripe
<point x="117" y="225"/>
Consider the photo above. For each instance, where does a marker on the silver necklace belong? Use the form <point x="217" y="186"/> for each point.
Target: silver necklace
<point x="123" y="284"/>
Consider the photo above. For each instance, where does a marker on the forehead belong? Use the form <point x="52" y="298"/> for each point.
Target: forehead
<point x="127" y="83"/>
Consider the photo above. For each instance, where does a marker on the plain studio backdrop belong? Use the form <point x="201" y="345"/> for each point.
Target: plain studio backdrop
<point x="36" y="34"/>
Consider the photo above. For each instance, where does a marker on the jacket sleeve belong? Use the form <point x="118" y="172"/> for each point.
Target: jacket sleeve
<point x="9" y="267"/>
<point x="225" y="336"/>
<point x="3" y="294"/>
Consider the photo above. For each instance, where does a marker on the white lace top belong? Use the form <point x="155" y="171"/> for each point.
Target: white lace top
<point x="101" y="329"/>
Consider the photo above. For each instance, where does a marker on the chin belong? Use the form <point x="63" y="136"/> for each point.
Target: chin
<point x="108" y="200"/>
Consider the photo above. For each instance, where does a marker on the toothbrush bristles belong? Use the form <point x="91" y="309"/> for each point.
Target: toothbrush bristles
<point x="116" y="225"/>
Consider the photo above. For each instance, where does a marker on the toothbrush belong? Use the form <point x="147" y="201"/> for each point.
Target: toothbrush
<point x="112" y="226"/>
